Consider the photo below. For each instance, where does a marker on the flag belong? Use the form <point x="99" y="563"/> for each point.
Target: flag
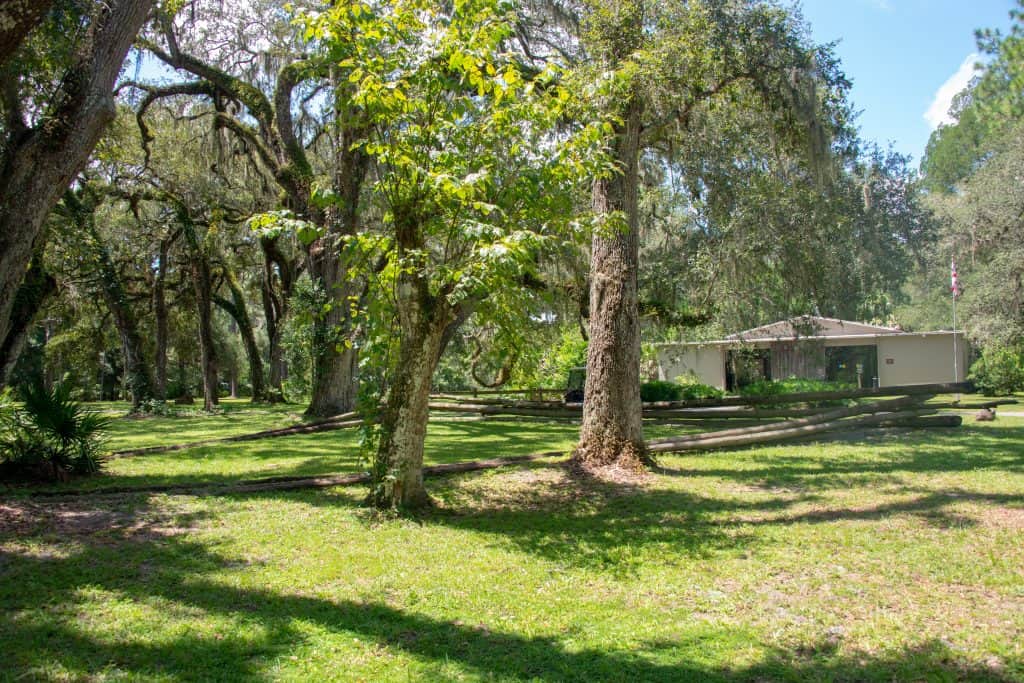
<point x="954" y="281"/>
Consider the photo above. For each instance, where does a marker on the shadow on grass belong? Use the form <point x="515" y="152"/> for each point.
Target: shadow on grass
<point x="255" y="633"/>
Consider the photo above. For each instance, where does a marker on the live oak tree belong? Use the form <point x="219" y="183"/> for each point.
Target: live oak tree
<point x="46" y="139"/>
<point x="99" y="272"/>
<point x="263" y="97"/>
<point x="656" y="62"/>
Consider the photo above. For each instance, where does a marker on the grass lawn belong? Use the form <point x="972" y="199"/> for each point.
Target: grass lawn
<point x="892" y="556"/>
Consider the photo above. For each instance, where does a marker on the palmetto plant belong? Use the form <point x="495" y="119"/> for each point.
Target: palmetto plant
<point x="50" y="435"/>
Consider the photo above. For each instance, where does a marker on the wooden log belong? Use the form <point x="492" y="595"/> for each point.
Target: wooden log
<point x="483" y="409"/>
<point x="717" y="440"/>
<point x="827" y="416"/>
<point x="518" y="403"/>
<point x="343" y="421"/>
<point x="500" y="392"/>
<point x="925" y="422"/>
<point x="814" y="396"/>
<point x="730" y="413"/>
<point x="955" y="405"/>
<point x="287" y="483"/>
<point x="541" y="410"/>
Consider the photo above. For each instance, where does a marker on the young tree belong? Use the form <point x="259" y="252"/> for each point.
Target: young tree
<point x="469" y="180"/>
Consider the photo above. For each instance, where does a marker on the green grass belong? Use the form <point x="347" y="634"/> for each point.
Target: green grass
<point x="337" y="452"/>
<point x="893" y="556"/>
<point x="189" y="423"/>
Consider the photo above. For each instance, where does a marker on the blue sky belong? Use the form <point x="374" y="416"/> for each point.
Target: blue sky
<point x="906" y="58"/>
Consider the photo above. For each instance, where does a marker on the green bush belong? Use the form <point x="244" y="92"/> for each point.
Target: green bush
<point x="660" y="390"/>
<point x="793" y="385"/>
<point x="50" y="436"/>
<point x="694" y="390"/>
<point x="999" y="371"/>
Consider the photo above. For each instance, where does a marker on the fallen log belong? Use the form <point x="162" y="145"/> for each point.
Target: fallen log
<point x="955" y="405"/>
<point x="925" y="422"/>
<point x="483" y="409"/>
<point x="292" y="483"/>
<point x="343" y="421"/>
<point x="576" y="410"/>
<point x="815" y="396"/>
<point x="731" y="413"/>
<point x="827" y="416"/>
<point x="483" y="400"/>
<point x="717" y="440"/>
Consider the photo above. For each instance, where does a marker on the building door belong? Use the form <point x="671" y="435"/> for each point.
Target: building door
<point x="856" y="365"/>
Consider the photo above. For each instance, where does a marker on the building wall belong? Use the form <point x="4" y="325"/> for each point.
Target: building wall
<point x="920" y="359"/>
<point x="706" y="363"/>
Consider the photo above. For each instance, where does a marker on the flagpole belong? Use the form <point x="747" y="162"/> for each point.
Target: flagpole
<point x="956" y="368"/>
<point x="955" y="288"/>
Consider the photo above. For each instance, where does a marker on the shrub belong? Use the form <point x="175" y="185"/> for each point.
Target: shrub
<point x="793" y="385"/>
<point x="694" y="390"/>
<point x="999" y="371"/>
<point x="660" y="390"/>
<point x="50" y="436"/>
<point x="155" y="407"/>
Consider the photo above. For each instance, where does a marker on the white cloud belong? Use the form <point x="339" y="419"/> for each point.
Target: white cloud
<point x="938" y="112"/>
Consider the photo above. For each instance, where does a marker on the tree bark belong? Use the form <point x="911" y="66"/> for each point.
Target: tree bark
<point x="37" y="286"/>
<point x="398" y="469"/>
<point x="39" y="163"/>
<point x="137" y="373"/>
<point x="279" y="274"/>
<point x="161" y="315"/>
<point x="334" y="356"/>
<point x="334" y="365"/>
<point x="422" y="320"/>
<point x="236" y="308"/>
<point x="202" y="281"/>
<point x="208" y="352"/>
<point x="612" y="430"/>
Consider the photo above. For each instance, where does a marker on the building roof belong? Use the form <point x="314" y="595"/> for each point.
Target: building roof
<point x="734" y="342"/>
<point x="810" y="326"/>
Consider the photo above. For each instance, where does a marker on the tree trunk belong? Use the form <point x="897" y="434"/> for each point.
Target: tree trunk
<point x="334" y="356"/>
<point x="208" y="353"/>
<point x="38" y="163"/>
<point x="398" y="469"/>
<point x="139" y="382"/>
<point x="422" y="320"/>
<point x="276" y="290"/>
<point x="612" y="429"/>
<point x="35" y="289"/>
<point x="238" y="311"/>
<point x="160" y="312"/>
<point x="334" y="362"/>
<point x="203" y="283"/>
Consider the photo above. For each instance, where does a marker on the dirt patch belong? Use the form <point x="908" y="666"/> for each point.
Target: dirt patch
<point x="536" y="488"/>
<point x="1003" y="518"/>
<point x="77" y="519"/>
